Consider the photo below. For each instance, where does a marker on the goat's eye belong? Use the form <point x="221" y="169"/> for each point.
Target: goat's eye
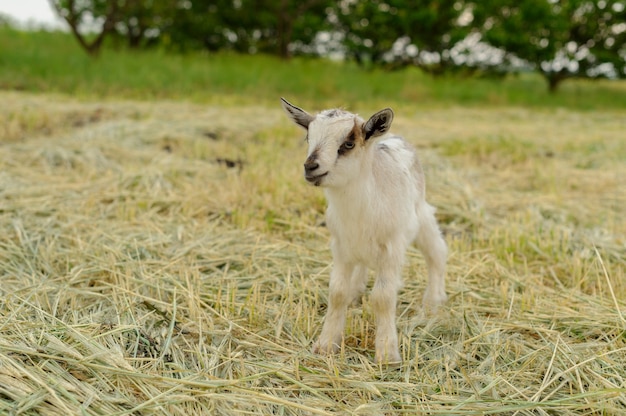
<point x="345" y="147"/>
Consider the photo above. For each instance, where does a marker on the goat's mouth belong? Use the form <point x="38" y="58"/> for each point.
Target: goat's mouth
<point x="315" y="179"/>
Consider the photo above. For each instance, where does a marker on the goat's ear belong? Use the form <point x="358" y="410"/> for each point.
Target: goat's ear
<point x="298" y="115"/>
<point x="378" y="124"/>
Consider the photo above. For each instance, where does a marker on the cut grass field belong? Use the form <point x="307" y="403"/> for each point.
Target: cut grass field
<point x="166" y="257"/>
<point x="143" y="274"/>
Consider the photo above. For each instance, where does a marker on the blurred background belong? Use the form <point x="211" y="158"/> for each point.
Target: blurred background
<point x="541" y="42"/>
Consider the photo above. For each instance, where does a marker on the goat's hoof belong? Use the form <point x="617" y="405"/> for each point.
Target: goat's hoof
<point x="433" y="301"/>
<point x="325" y="348"/>
<point x="389" y="360"/>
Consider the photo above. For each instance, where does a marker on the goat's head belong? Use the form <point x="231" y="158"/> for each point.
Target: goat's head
<point x="337" y="140"/>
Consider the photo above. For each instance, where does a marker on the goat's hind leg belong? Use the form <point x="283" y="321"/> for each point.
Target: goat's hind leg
<point x="432" y="245"/>
<point x="346" y="282"/>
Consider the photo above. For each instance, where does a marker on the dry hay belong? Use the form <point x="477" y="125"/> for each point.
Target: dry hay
<point x="166" y="258"/>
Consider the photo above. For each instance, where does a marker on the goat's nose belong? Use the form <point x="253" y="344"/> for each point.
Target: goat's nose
<point x="311" y="165"/>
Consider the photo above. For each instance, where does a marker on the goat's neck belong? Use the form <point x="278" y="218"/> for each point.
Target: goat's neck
<point x="357" y="192"/>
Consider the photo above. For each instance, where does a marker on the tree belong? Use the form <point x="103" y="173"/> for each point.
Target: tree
<point x="559" y="39"/>
<point x="101" y="15"/>
<point x="142" y="21"/>
<point x="246" y="26"/>
<point x="610" y="51"/>
<point x="91" y="21"/>
<point x="297" y="20"/>
<point x="397" y="33"/>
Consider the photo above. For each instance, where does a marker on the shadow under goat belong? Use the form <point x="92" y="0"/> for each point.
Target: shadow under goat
<point x="375" y="189"/>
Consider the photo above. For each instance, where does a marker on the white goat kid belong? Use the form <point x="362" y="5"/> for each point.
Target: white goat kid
<point x="375" y="191"/>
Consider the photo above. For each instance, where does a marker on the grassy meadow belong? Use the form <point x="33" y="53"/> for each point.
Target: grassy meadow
<point x="160" y="252"/>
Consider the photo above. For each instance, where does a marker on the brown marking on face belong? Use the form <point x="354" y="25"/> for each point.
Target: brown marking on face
<point x="312" y="158"/>
<point x="353" y="139"/>
<point x="357" y="133"/>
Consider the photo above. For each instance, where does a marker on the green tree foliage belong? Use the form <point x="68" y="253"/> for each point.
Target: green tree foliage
<point x="560" y="39"/>
<point x="249" y="25"/>
<point x="141" y="22"/>
<point x="397" y="33"/>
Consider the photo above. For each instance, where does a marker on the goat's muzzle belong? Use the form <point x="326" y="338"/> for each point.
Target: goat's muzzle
<point x="310" y="172"/>
<point x="310" y="166"/>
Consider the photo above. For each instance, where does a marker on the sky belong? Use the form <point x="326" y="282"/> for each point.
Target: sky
<point x="31" y="12"/>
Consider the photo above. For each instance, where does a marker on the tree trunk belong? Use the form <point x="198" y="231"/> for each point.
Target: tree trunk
<point x="73" y="20"/>
<point x="284" y="27"/>
<point x="135" y="36"/>
<point x="554" y="80"/>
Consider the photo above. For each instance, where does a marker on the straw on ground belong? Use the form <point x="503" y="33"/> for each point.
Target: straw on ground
<point x="167" y="258"/>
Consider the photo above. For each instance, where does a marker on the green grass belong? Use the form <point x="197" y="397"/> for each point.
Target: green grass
<point x="53" y="62"/>
<point x="142" y="274"/>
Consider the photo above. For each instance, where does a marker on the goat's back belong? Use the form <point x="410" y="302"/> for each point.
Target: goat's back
<point x="396" y="165"/>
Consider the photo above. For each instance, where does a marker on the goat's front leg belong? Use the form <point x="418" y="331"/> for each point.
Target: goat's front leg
<point x="383" y="300"/>
<point x="341" y="294"/>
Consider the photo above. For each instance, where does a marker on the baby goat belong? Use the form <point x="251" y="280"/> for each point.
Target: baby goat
<point x="375" y="191"/>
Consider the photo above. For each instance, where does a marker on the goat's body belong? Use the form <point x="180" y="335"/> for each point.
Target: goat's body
<point x="366" y="218"/>
<point x="372" y="221"/>
<point x="376" y="209"/>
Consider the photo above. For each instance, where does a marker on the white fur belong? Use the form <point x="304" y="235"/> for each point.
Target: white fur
<point x="376" y="208"/>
